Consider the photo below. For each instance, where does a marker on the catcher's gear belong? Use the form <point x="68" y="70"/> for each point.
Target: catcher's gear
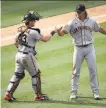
<point x="36" y="83"/>
<point x="37" y="29"/>
<point x="14" y="82"/>
<point x="22" y="39"/>
<point x="31" y="16"/>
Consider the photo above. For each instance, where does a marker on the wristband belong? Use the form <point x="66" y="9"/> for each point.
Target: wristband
<point x="52" y="33"/>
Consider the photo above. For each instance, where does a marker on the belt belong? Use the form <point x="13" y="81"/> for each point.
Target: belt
<point x="26" y="45"/>
<point x="23" y="52"/>
<point x="82" y="45"/>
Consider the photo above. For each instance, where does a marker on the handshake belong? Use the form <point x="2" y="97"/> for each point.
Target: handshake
<point x="58" y="30"/>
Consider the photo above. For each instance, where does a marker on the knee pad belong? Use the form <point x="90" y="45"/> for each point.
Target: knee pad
<point x="37" y="75"/>
<point x="13" y="84"/>
<point x="36" y="79"/>
<point x="20" y="75"/>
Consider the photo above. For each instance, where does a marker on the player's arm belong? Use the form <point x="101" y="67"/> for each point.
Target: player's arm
<point x="102" y="30"/>
<point x="60" y="31"/>
<point x="98" y="28"/>
<point x="47" y="37"/>
<point x="64" y="29"/>
<point x="39" y="37"/>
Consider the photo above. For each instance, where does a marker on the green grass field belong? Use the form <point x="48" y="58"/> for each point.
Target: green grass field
<point x="55" y="60"/>
<point x="13" y="11"/>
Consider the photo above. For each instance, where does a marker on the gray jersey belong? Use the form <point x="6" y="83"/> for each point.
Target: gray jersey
<point x="81" y="32"/>
<point x="25" y="59"/>
<point x="30" y="39"/>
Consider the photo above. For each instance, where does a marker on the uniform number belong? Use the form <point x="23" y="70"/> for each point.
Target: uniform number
<point x="22" y="38"/>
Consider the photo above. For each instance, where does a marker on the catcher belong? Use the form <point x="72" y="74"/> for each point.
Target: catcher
<point x="26" y="40"/>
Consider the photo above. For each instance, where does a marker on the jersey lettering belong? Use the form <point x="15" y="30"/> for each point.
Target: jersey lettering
<point x="82" y="28"/>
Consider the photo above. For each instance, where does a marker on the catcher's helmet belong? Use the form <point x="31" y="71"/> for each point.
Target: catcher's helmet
<point x="31" y="16"/>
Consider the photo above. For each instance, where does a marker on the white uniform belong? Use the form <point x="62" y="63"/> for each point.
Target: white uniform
<point x="81" y="33"/>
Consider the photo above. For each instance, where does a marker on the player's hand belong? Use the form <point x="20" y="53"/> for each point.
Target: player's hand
<point x="58" y="29"/>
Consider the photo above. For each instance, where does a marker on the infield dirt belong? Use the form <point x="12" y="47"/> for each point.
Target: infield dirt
<point x="47" y="24"/>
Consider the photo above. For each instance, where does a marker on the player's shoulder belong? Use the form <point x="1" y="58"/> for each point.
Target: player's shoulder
<point x="71" y="21"/>
<point x="92" y="19"/>
<point x="35" y="30"/>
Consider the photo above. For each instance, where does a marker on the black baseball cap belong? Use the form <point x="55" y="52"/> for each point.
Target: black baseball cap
<point x="80" y="7"/>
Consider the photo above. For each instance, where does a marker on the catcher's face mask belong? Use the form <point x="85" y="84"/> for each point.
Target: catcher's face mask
<point x="31" y="16"/>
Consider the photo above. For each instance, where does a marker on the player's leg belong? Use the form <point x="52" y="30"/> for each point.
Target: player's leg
<point x="13" y="84"/>
<point x="32" y="68"/>
<point x="14" y="81"/>
<point x="91" y="61"/>
<point x="78" y="58"/>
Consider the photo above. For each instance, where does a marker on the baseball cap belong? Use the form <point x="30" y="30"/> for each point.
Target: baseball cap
<point x="80" y="7"/>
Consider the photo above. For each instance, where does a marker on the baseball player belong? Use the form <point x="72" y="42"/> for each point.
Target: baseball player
<point x="26" y="39"/>
<point x="80" y="28"/>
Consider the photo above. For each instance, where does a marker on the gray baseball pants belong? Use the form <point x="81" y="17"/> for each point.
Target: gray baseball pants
<point x="28" y="62"/>
<point x="88" y="53"/>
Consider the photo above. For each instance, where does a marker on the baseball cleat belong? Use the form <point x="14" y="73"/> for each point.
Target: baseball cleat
<point x="42" y="97"/>
<point x="96" y="96"/>
<point x="8" y="97"/>
<point x="73" y="96"/>
<point x="45" y="96"/>
<point x="37" y="98"/>
<point x="13" y="98"/>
